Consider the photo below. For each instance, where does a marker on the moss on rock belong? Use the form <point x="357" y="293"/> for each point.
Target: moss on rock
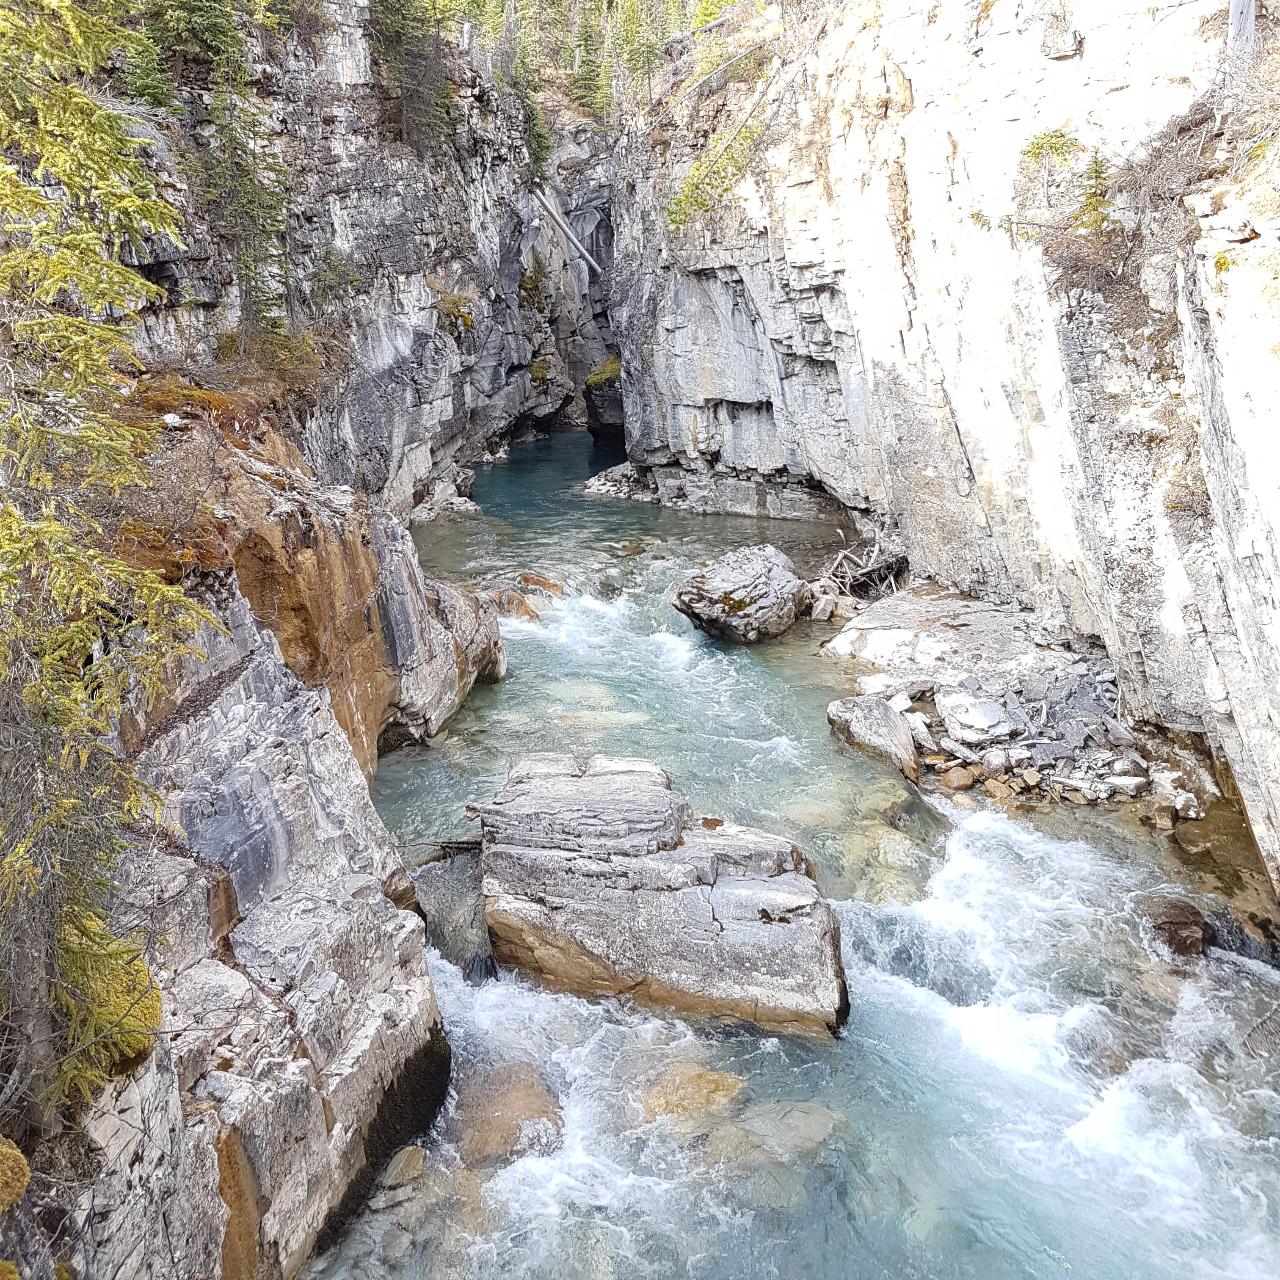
<point x="15" y="1173"/>
<point x="608" y="372"/>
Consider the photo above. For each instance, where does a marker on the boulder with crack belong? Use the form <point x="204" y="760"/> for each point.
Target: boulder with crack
<point x="750" y="594"/>
<point x="598" y="881"/>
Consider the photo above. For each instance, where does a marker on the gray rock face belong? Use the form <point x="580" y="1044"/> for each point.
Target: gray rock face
<point x="464" y="309"/>
<point x="748" y="595"/>
<point x="303" y="1033"/>
<point x="871" y="724"/>
<point x="597" y="881"/>
<point x="452" y="907"/>
<point x="852" y="316"/>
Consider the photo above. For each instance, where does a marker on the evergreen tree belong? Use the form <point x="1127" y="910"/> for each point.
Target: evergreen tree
<point x="640" y="38"/>
<point x="82" y="630"/>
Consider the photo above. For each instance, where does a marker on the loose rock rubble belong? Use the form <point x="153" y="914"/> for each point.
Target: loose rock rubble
<point x="972" y="686"/>
<point x="750" y="594"/>
<point x="598" y="881"/>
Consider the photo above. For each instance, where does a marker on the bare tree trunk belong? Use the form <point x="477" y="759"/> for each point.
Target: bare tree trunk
<point x="1241" y="27"/>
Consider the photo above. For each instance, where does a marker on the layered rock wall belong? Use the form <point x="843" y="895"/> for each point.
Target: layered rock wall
<point x="301" y="1036"/>
<point x="901" y="302"/>
<point x="449" y="303"/>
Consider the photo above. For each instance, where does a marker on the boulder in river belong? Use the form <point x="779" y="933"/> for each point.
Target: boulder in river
<point x="750" y="594"/>
<point x="598" y="881"/>
<point x="872" y="725"/>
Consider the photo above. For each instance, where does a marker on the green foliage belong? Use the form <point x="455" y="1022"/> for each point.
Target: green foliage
<point x="84" y="631"/>
<point x="146" y="78"/>
<point x="641" y="32"/>
<point x="454" y="307"/>
<point x="608" y="372"/>
<point x="540" y="373"/>
<point x="110" y="1004"/>
<point x="332" y="281"/>
<point x="242" y="184"/>
<point x="713" y="175"/>
<point x="537" y="135"/>
<point x="534" y="281"/>
<point x="707" y="11"/>
<point x="1094" y="214"/>
<point x="293" y="360"/>
<point x="1052" y="145"/>
<point x="407" y="38"/>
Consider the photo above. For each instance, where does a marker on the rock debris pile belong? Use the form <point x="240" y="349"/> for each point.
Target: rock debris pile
<point x="968" y="690"/>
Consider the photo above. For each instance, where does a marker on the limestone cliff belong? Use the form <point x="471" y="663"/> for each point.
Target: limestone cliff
<point x="450" y="305"/>
<point x="1002" y="275"/>
<point x="301" y="1037"/>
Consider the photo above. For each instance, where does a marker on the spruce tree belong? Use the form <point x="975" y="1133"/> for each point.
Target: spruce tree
<point x="83" y="630"/>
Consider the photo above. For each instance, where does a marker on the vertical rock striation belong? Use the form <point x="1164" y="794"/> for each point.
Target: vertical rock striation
<point x="919" y="300"/>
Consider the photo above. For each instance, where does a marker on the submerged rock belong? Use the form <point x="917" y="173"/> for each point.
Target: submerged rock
<point x="506" y="1112"/>
<point x="541" y="582"/>
<point x="511" y="603"/>
<point x="449" y="901"/>
<point x="687" y="1091"/>
<point x="597" y="881"/>
<point x="872" y="725"/>
<point x="1179" y="924"/>
<point x="748" y="595"/>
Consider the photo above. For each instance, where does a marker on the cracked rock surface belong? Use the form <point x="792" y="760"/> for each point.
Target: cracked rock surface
<point x="750" y="594"/>
<point x="597" y="880"/>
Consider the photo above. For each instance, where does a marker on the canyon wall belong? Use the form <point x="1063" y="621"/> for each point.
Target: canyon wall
<point x="449" y="304"/>
<point x="301" y="1040"/>
<point x="925" y="296"/>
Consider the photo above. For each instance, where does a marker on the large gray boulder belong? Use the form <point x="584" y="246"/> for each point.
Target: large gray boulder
<point x="750" y="594"/>
<point x="598" y="881"/>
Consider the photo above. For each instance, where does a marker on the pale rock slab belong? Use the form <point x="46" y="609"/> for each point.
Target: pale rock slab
<point x="597" y="881"/>
<point x="871" y="724"/>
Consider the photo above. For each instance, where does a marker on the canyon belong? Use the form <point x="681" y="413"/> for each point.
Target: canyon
<point x="886" y="323"/>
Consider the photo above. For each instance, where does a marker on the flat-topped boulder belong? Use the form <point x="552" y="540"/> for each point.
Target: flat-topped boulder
<point x="750" y="594"/>
<point x="597" y="880"/>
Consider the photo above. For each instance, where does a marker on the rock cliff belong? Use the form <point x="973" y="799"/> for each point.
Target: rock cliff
<point x="1000" y="275"/>
<point x="450" y="304"/>
<point x="301" y="1039"/>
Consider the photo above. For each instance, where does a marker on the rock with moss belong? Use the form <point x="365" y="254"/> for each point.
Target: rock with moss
<point x="748" y="595"/>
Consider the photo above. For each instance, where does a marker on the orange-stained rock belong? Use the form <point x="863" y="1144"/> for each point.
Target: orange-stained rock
<point x="540" y="582"/>
<point x="335" y="577"/>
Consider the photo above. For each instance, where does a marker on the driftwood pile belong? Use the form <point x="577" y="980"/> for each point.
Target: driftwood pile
<point x="858" y="573"/>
